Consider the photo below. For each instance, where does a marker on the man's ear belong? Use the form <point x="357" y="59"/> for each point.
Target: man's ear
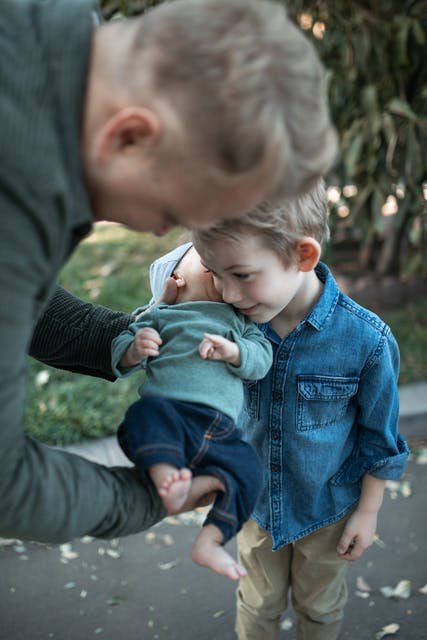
<point x="308" y="251"/>
<point x="129" y="129"/>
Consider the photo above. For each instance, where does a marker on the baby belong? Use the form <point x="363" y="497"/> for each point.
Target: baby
<point x="196" y="354"/>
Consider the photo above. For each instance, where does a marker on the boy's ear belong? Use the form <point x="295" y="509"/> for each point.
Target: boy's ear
<point x="308" y="251"/>
<point x="129" y="129"/>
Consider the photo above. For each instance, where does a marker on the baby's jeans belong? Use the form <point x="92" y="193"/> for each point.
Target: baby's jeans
<point x="309" y="567"/>
<point x="184" y="434"/>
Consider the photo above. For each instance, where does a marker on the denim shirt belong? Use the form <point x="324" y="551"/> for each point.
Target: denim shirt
<point x="324" y="416"/>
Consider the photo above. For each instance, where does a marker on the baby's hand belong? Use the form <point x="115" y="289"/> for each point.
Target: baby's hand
<point x="146" y="344"/>
<point x="215" y="347"/>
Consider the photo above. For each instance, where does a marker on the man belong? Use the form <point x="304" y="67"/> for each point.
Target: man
<point x="197" y="111"/>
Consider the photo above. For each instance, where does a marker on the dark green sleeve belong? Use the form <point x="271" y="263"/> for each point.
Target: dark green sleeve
<point x="76" y="335"/>
<point x="47" y="494"/>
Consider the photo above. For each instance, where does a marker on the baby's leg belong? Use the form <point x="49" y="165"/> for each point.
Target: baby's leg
<point x="209" y="552"/>
<point x="172" y="485"/>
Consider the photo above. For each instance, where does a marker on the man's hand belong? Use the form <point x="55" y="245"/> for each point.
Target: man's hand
<point x="214" y="347"/>
<point x="146" y="344"/>
<point x="202" y="492"/>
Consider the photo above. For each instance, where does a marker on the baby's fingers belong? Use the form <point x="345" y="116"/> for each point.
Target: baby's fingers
<point x="206" y="348"/>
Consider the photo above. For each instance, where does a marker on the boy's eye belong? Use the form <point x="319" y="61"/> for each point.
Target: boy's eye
<point x="242" y="276"/>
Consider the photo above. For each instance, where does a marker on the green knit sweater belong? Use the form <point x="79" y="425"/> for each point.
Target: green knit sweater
<point x="179" y="373"/>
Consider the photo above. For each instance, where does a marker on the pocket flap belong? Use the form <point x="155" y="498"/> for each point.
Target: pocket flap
<point x="327" y="388"/>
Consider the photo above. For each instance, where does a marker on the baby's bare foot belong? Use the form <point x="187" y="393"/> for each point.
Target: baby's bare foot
<point x="208" y="553"/>
<point x="174" y="489"/>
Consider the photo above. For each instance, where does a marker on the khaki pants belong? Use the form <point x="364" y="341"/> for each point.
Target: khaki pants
<point x="309" y="567"/>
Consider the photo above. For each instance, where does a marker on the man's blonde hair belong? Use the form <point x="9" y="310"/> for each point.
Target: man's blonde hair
<point x="245" y="84"/>
<point x="278" y="227"/>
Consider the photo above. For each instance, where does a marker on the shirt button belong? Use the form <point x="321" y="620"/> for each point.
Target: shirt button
<point x="278" y="396"/>
<point x="283" y="355"/>
<point x="275" y="435"/>
<point x="275" y="468"/>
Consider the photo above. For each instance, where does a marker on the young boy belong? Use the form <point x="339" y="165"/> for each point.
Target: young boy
<point x="196" y="354"/>
<point x="324" y="420"/>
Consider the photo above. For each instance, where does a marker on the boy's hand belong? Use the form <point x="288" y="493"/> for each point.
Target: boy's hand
<point x="146" y="344"/>
<point x="358" y="535"/>
<point x="214" y="347"/>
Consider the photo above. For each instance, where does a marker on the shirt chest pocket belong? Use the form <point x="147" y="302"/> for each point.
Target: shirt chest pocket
<point x="323" y="400"/>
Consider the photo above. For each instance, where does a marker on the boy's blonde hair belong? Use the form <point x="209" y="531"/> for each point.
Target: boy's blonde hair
<point x="278" y="227"/>
<point x="245" y="84"/>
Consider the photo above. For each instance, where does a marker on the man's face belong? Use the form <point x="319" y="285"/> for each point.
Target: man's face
<point x="145" y="199"/>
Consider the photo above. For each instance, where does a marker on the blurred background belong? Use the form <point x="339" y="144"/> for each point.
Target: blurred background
<point x="374" y="53"/>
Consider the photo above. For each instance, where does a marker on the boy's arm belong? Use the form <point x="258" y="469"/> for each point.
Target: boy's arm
<point x="381" y="451"/>
<point x="359" y="532"/>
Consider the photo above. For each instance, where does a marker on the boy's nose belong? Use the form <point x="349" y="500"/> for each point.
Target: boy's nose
<point x="230" y="295"/>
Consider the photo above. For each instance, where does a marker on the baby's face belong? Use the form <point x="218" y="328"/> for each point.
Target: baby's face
<point x="195" y="282"/>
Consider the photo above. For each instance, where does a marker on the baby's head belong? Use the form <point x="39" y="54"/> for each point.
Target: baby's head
<point x="193" y="280"/>
<point x="277" y="228"/>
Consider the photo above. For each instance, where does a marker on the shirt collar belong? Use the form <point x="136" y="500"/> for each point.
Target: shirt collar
<point x="325" y="306"/>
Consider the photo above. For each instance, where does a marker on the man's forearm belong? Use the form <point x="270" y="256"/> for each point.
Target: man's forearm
<point x="50" y="495"/>
<point x="76" y="336"/>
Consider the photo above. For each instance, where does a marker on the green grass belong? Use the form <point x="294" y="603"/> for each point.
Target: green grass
<point x="111" y="268"/>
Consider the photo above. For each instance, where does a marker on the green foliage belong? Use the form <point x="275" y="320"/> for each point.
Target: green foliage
<point x="375" y="53"/>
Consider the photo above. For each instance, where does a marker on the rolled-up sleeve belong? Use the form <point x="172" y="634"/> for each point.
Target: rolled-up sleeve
<point x="380" y="450"/>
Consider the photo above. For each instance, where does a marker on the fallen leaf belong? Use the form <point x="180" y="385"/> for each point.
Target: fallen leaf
<point x="389" y="629"/>
<point x="286" y="624"/>
<point x="423" y="589"/>
<point x="362" y="585"/>
<point x="379" y="542"/>
<point x="421" y="457"/>
<point x="362" y="594"/>
<point x="218" y="614"/>
<point x="401" y="590"/>
<point x="42" y="378"/>
<point x="6" y="542"/>
<point x="67" y="551"/>
<point x="165" y="566"/>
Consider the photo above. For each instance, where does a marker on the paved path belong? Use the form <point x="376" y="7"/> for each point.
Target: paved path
<point x="145" y="587"/>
